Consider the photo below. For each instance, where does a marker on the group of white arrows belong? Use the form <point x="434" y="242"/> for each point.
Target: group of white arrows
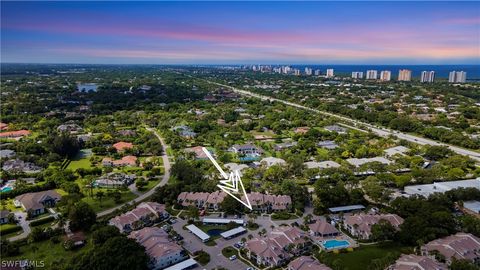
<point x="232" y="184"/>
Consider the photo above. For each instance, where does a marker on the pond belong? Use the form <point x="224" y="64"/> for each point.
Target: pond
<point x="214" y="232"/>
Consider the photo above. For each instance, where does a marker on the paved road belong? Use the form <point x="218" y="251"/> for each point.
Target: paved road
<point x="166" y="176"/>
<point x="383" y="132"/>
<point x="22" y="221"/>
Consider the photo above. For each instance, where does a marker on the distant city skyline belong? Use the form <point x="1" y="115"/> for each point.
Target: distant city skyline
<point x="394" y="33"/>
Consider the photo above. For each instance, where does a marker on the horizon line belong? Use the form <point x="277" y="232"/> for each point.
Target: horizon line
<point x="236" y="64"/>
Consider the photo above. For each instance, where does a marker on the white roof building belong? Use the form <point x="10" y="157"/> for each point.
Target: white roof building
<point x="233" y="232"/>
<point x="321" y="165"/>
<point x="441" y="187"/>
<point x="199" y="233"/>
<point x="357" y="162"/>
<point x="401" y="150"/>
<point x="271" y="161"/>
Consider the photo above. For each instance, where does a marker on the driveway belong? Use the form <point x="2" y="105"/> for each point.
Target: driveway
<point x="22" y="221"/>
<point x="166" y="176"/>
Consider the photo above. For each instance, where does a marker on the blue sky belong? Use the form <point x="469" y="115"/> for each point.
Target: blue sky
<point x="241" y="32"/>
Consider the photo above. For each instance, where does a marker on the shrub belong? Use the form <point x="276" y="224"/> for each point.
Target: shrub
<point x="42" y="221"/>
<point x="202" y="257"/>
<point x="282" y="216"/>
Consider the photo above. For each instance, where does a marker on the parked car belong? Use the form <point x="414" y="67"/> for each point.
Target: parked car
<point x="233" y="257"/>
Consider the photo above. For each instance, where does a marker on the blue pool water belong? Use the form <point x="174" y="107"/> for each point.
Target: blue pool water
<point x="249" y="158"/>
<point x="214" y="232"/>
<point x="5" y="189"/>
<point x="336" y="244"/>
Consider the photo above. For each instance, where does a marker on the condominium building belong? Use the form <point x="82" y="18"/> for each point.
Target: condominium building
<point x="405" y="75"/>
<point x="385" y="75"/>
<point x="371" y="75"/>
<point x="317" y="72"/>
<point x="357" y="75"/>
<point x="427" y="76"/>
<point x="330" y="73"/>
<point x="286" y="69"/>
<point x="308" y="71"/>
<point x="457" y="76"/>
<point x="360" y="225"/>
<point x="162" y="251"/>
<point x="460" y="246"/>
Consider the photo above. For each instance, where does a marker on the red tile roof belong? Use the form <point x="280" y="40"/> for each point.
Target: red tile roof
<point x="120" y="146"/>
<point x="15" y="134"/>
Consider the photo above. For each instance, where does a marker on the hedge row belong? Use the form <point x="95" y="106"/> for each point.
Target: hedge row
<point x="42" y="221"/>
<point x="10" y="230"/>
<point x="35" y="188"/>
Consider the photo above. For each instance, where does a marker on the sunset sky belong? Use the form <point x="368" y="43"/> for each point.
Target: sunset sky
<point x="238" y="33"/>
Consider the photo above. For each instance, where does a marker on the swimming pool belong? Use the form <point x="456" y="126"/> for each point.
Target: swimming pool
<point x="5" y="189"/>
<point x="335" y="244"/>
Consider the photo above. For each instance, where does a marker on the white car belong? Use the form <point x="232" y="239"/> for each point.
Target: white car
<point x="233" y="257"/>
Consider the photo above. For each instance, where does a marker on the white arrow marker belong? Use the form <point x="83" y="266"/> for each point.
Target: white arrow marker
<point x="230" y="184"/>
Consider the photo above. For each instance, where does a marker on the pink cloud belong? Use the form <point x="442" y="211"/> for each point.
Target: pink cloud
<point x="463" y="21"/>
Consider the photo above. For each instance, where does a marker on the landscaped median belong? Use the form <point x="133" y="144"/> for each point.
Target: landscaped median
<point x="229" y="251"/>
<point x="283" y="216"/>
<point x="202" y="257"/>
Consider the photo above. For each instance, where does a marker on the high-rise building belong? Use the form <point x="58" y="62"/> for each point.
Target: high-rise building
<point x="317" y="72"/>
<point x="286" y="69"/>
<point x="296" y="71"/>
<point x="457" y="77"/>
<point x="405" y="75"/>
<point x="357" y="75"/>
<point x="330" y="73"/>
<point x="371" y="75"/>
<point x="385" y="75"/>
<point x="427" y="76"/>
<point x="308" y="71"/>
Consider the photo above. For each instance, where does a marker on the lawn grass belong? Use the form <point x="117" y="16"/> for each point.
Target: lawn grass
<point x="150" y="185"/>
<point x="107" y="202"/>
<point x="10" y="206"/>
<point x="170" y="152"/>
<point x="47" y="251"/>
<point x="61" y="191"/>
<point x="362" y="257"/>
<point x="15" y="230"/>
<point x="81" y="163"/>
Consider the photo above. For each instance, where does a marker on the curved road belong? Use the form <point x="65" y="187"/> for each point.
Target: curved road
<point x="166" y="176"/>
<point x="383" y="132"/>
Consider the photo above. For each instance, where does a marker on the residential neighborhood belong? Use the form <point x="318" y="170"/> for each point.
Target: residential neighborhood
<point x="100" y="180"/>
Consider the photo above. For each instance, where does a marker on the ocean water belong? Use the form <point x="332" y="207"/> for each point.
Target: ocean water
<point x="441" y="71"/>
